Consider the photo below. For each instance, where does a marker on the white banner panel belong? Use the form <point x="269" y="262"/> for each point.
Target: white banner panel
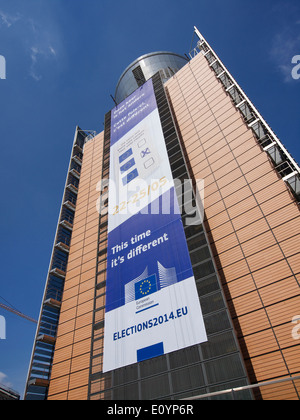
<point x="152" y="304"/>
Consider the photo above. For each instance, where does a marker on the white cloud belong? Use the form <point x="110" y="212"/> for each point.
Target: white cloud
<point x="4" y="381"/>
<point x="7" y="19"/>
<point x="285" y="46"/>
<point x="39" y="37"/>
<point x="42" y="49"/>
<point x="34" y="52"/>
<point x="38" y="53"/>
<point x="52" y="50"/>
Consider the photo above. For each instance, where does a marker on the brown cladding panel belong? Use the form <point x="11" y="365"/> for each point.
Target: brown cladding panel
<point x="78" y="394"/>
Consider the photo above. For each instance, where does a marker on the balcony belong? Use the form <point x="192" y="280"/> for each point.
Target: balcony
<point x="248" y="114"/>
<point x="66" y="224"/>
<point x="39" y="382"/>
<point x="75" y="173"/>
<point x="77" y="147"/>
<point x="69" y="205"/>
<point x="265" y="141"/>
<point x="48" y="339"/>
<point x="294" y="184"/>
<point x="57" y="272"/>
<point x="77" y="159"/>
<point x="62" y="247"/>
<point x="72" y="188"/>
<point x="53" y="303"/>
<point x="284" y="169"/>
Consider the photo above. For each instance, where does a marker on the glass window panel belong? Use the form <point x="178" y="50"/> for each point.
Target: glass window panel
<point x="204" y="270"/>
<point x="184" y="357"/>
<point x="212" y="303"/>
<point x="216" y="322"/>
<point x="187" y="378"/>
<point x="196" y="242"/>
<point x="207" y="285"/>
<point x="224" y="369"/>
<point x="153" y="366"/>
<point x="126" y="374"/>
<point x="128" y="392"/>
<point x="200" y="255"/>
<point x="219" y="344"/>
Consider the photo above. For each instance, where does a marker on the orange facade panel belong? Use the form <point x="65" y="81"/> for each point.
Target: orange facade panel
<point x="246" y="303"/>
<point x="236" y="197"/>
<point x="240" y="287"/>
<point x="79" y="379"/>
<point x="284" y="310"/>
<point x="269" y="366"/>
<point x="252" y="323"/>
<point x="225" y="244"/>
<point x="235" y="271"/>
<point x="64" y="340"/>
<point x="62" y="354"/>
<point x="258" y="243"/>
<point x="59" y="385"/>
<point x="61" y="369"/>
<point x="81" y="347"/>
<point x="280" y="391"/>
<point x="58" y="397"/>
<point x="294" y="263"/>
<point x="279" y="291"/>
<point x="288" y="229"/>
<point x="261" y="343"/>
<point x="292" y="356"/>
<point x="80" y="362"/>
<point x="272" y="273"/>
<point x="242" y="206"/>
<point x="252" y="230"/>
<point x="78" y="394"/>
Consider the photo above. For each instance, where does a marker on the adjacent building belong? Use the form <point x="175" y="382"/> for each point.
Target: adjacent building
<point x="244" y="252"/>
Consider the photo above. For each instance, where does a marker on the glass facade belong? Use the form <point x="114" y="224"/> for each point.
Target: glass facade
<point x="144" y="68"/>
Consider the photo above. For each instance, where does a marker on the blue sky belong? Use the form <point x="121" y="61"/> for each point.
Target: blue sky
<point x="64" y="58"/>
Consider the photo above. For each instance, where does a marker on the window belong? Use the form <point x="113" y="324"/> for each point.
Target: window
<point x="188" y="378"/>
<point x="275" y="155"/>
<point x="294" y="183"/>
<point x="235" y="95"/>
<point x="139" y="76"/>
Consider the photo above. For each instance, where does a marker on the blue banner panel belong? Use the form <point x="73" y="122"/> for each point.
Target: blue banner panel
<point x="151" y="351"/>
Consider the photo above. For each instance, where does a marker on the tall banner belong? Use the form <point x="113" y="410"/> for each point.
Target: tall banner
<point x="152" y="304"/>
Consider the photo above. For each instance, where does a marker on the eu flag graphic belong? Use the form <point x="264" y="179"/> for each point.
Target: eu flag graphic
<point x="145" y="287"/>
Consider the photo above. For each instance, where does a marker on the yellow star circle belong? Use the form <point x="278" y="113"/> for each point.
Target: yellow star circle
<point x="141" y="287"/>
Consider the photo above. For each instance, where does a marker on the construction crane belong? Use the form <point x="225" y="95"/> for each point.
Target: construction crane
<point x="16" y="312"/>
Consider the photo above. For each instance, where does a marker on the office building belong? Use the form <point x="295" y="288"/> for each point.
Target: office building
<point x="244" y="253"/>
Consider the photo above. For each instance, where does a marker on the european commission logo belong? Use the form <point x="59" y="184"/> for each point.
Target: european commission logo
<point x="145" y="284"/>
<point x="145" y="287"/>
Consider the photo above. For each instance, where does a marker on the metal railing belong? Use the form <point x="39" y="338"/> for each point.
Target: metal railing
<point x="276" y="391"/>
